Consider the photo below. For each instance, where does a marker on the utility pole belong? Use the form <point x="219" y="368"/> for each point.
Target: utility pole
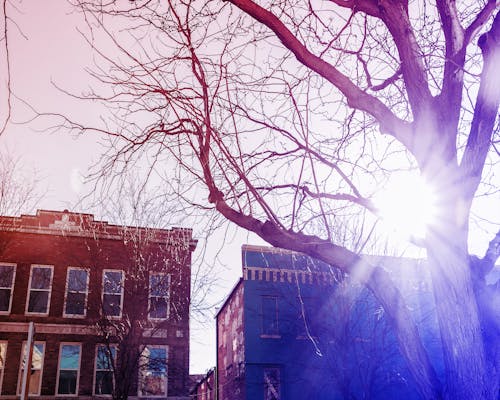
<point x="27" y="365"/>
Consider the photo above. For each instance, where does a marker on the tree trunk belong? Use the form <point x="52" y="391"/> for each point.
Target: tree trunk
<point x="466" y="371"/>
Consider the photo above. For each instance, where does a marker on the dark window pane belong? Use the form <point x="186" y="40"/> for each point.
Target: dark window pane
<point x="113" y="282"/>
<point x="4" y="299"/>
<point x="6" y="276"/>
<point x="111" y="304"/>
<point x="158" y="307"/>
<point x="38" y="301"/>
<point x="67" y="382"/>
<point x="40" y="278"/>
<point x="158" y="285"/>
<point x="75" y="303"/>
<point x="105" y="356"/>
<point x="77" y="280"/>
<point x="269" y="316"/>
<point x="104" y="382"/>
<point x="70" y="356"/>
<point x="157" y="359"/>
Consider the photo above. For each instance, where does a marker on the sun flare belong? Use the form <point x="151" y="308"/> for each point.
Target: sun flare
<point x="407" y="205"/>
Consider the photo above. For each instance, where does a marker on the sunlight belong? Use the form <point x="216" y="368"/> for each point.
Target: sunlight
<point x="407" y="205"/>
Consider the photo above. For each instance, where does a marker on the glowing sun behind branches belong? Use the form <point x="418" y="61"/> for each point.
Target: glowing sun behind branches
<point x="407" y="205"/>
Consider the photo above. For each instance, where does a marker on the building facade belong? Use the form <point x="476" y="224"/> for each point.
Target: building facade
<point x="204" y="387"/>
<point x="294" y="328"/>
<point x="109" y="305"/>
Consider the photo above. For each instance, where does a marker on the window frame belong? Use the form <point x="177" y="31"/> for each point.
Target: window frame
<point x="14" y="266"/>
<point x="66" y="292"/>
<point x="263" y="332"/>
<point x="28" y="295"/>
<point x="265" y="384"/>
<point x="122" y="284"/>
<point x="112" y="346"/>
<point x="65" y="369"/>
<point x="21" y="370"/>
<point x="140" y="369"/>
<point x="3" y="356"/>
<point x="166" y="297"/>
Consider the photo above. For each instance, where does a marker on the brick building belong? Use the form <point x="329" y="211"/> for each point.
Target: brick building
<point x="295" y="328"/>
<point x="204" y="387"/>
<point x="110" y="306"/>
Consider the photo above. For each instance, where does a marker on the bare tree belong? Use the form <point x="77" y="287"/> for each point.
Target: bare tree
<point x="278" y="113"/>
<point x="19" y="186"/>
<point x="124" y="337"/>
<point x="19" y="192"/>
<point x="144" y="300"/>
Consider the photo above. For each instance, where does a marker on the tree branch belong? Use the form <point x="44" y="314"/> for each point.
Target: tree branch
<point x="356" y="98"/>
<point x="7" y="62"/>
<point x="485" y="112"/>
<point x="375" y="278"/>
<point x="480" y="20"/>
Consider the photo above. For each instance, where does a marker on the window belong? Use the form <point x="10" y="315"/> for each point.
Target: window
<point x="272" y="384"/>
<point x="69" y="367"/>
<point x="270" y="316"/>
<point x="112" y="293"/>
<point x="35" y="376"/>
<point x="104" y="380"/>
<point x="77" y="281"/>
<point x="153" y="371"/>
<point x="7" y="278"/>
<point x="3" y="354"/>
<point x="159" y="286"/>
<point x="39" y="289"/>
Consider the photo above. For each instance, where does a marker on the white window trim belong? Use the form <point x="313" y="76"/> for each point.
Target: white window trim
<point x="86" y="293"/>
<point x="20" y="373"/>
<point x="4" y="358"/>
<point x="167" y="297"/>
<point x="95" y="369"/>
<point x="77" y="371"/>
<point x="11" y="288"/>
<point x="165" y="395"/>
<point x="26" y="312"/>
<point x="121" y="293"/>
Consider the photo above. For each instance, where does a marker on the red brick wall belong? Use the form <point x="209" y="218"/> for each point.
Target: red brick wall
<point x="231" y="347"/>
<point x="41" y="240"/>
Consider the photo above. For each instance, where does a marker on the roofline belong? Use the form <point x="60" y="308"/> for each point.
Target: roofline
<point x="229" y="296"/>
<point x="82" y="232"/>
<point x="267" y="249"/>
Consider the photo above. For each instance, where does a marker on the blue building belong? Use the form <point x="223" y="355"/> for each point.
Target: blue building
<point x="294" y="328"/>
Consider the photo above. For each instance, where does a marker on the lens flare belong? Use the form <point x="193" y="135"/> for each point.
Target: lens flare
<point x="406" y="205"/>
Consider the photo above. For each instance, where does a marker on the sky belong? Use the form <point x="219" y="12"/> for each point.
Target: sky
<point x="48" y="51"/>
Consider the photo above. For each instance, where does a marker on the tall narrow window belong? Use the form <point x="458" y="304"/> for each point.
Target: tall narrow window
<point x="153" y="371"/>
<point x="272" y="384"/>
<point x="36" y="368"/>
<point x="39" y="289"/>
<point x="159" y="286"/>
<point x="69" y="368"/>
<point x="104" y="361"/>
<point x="112" y="293"/>
<point x="77" y="282"/>
<point x="3" y="354"/>
<point x="7" y="278"/>
<point x="270" y="316"/>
